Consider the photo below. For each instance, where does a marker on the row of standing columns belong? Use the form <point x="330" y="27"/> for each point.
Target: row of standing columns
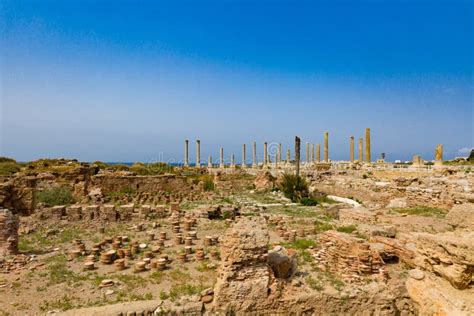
<point x="313" y="153"/>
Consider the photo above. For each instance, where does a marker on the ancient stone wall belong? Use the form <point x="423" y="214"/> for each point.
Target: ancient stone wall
<point x="167" y="183"/>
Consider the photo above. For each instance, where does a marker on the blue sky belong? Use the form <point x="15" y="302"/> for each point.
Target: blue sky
<point x="130" y="80"/>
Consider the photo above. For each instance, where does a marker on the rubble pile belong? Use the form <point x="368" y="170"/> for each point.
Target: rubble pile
<point x="348" y="256"/>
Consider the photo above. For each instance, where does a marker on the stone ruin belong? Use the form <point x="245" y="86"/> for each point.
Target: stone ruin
<point x="348" y="256"/>
<point x="8" y="232"/>
<point x="245" y="279"/>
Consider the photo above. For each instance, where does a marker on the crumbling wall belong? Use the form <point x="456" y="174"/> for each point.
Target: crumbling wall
<point x="8" y="232"/>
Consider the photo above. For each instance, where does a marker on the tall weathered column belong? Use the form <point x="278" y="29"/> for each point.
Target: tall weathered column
<point x="221" y="162"/>
<point x="318" y="153"/>
<point x="351" y="149"/>
<point x="307" y="152"/>
<point x="232" y="161"/>
<point x="254" y="161"/>
<point x="439" y="155"/>
<point x="186" y="153"/>
<point x="361" y="149"/>
<point x="198" y="153"/>
<point x="279" y="152"/>
<point x="265" y="154"/>
<point x="367" y="145"/>
<point x="288" y="157"/>
<point x="9" y="223"/>
<point x="326" y="146"/>
<point x="312" y="153"/>
<point x="297" y="154"/>
<point x="244" y="157"/>
<point x="209" y="162"/>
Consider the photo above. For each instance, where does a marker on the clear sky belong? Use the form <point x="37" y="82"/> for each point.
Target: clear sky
<point x="130" y="80"/>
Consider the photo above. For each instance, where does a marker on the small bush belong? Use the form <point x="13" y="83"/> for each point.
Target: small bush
<point x="55" y="196"/>
<point x="308" y="201"/>
<point x="8" y="168"/>
<point x="208" y="183"/>
<point x="293" y="187"/>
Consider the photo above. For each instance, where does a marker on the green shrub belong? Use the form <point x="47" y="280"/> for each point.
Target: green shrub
<point x="347" y="229"/>
<point x="6" y="159"/>
<point x="55" y="196"/>
<point x="294" y="187"/>
<point x="308" y="201"/>
<point x="208" y="183"/>
<point x="8" y="168"/>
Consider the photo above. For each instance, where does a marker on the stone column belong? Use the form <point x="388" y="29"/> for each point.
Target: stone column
<point x="307" y="152"/>
<point x="9" y="223"/>
<point x="297" y="154"/>
<point x="221" y="162"/>
<point x="351" y="149"/>
<point x="198" y="153"/>
<point x="244" y="157"/>
<point x="288" y="157"/>
<point x="232" y="161"/>
<point x="439" y="155"/>
<point x="326" y="146"/>
<point x="361" y="149"/>
<point x="367" y="145"/>
<point x="209" y="162"/>
<point x="265" y="154"/>
<point x="279" y="152"/>
<point x="186" y="153"/>
<point x="254" y="162"/>
<point x="312" y="153"/>
<point x="318" y="153"/>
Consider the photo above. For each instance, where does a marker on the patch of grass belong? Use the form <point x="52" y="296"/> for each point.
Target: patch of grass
<point x="55" y="196"/>
<point x="60" y="273"/>
<point x="315" y="284"/>
<point x="184" y="289"/>
<point x="179" y="276"/>
<point x="320" y="227"/>
<point x="324" y="199"/>
<point x="39" y="240"/>
<point x="294" y="211"/>
<point x="63" y="304"/>
<point x="300" y="244"/>
<point x="205" y="266"/>
<point x="131" y="280"/>
<point x="347" y="229"/>
<point x="156" y="276"/>
<point x="423" y="211"/>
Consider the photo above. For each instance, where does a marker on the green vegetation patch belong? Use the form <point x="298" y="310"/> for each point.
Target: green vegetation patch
<point x="422" y="211"/>
<point x="55" y="196"/>
<point x="300" y="244"/>
<point x="294" y="187"/>
<point x="347" y="229"/>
